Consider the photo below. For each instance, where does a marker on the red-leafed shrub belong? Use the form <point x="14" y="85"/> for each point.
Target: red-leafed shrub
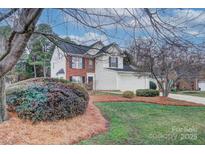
<point x="45" y="99"/>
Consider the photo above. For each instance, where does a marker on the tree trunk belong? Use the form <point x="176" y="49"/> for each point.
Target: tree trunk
<point x="165" y="89"/>
<point x="34" y="69"/>
<point x="44" y="69"/>
<point x="22" y="31"/>
<point x="165" y="92"/>
<point x="3" y="112"/>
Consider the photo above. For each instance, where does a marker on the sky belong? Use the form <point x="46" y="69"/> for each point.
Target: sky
<point x="64" y="25"/>
<point x="79" y="33"/>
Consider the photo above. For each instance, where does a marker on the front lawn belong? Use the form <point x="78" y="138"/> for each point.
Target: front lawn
<point x="192" y="93"/>
<point x="140" y="123"/>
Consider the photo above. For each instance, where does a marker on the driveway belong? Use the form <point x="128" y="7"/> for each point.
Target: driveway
<point x="194" y="99"/>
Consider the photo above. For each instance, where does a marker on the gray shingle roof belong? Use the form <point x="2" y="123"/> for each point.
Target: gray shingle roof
<point x="98" y="42"/>
<point x="79" y="49"/>
<point x="104" y="49"/>
<point x="72" y="48"/>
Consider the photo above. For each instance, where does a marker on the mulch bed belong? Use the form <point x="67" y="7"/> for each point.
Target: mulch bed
<point x="70" y="131"/>
<point x="154" y="100"/>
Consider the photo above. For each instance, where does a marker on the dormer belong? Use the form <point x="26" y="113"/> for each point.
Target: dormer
<point x="95" y="48"/>
<point x="110" y="56"/>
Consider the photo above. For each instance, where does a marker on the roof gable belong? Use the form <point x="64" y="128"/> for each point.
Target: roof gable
<point x="110" y="49"/>
<point x="95" y="48"/>
<point x="98" y="43"/>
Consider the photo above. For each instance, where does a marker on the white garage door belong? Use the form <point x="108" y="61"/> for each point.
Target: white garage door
<point x="202" y="85"/>
<point x="131" y="82"/>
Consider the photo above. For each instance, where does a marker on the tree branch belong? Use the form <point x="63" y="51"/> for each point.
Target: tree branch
<point x="18" y="39"/>
<point x="5" y="16"/>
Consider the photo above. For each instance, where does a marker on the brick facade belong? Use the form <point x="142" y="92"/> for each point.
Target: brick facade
<point x="79" y="72"/>
<point x="187" y="84"/>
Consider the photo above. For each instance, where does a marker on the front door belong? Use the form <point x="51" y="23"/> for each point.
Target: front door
<point x="90" y="82"/>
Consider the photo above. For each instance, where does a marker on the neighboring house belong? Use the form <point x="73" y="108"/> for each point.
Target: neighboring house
<point x="201" y="85"/>
<point x="99" y="66"/>
<point x="187" y="84"/>
<point x="195" y="83"/>
<point x="201" y="80"/>
<point x="194" y="80"/>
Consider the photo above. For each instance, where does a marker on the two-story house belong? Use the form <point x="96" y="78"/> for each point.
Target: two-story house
<point x="97" y="65"/>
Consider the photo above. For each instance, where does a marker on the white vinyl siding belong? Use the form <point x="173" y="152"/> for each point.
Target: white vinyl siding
<point x="201" y="85"/>
<point x="58" y="61"/>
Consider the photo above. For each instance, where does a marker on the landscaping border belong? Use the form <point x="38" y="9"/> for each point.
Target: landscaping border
<point x="150" y="100"/>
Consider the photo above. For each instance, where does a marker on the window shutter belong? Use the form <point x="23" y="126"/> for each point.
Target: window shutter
<point x="116" y="62"/>
<point x="83" y="78"/>
<point x="83" y="61"/>
<point x="70" y="61"/>
<point x="109" y="61"/>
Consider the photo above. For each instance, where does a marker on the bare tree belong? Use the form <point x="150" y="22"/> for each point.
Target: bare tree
<point x="167" y="63"/>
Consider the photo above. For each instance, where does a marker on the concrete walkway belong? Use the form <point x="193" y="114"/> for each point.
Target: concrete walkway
<point x="194" y="99"/>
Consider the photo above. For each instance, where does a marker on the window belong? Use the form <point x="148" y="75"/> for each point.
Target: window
<point x="53" y="65"/>
<point x="113" y="62"/>
<point x="91" y="64"/>
<point x="77" y="62"/>
<point x="90" y="79"/>
<point x="77" y="79"/>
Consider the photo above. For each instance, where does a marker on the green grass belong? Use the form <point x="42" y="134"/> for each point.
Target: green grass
<point x="192" y="93"/>
<point x="140" y="123"/>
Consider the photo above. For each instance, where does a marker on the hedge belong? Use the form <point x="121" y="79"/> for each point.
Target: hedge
<point x="128" y="94"/>
<point x="147" y="92"/>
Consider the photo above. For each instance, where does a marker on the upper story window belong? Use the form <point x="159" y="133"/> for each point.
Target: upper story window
<point x="90" y="64"/>
<point x="113" y="61"/>
<point x="77" y="62"/>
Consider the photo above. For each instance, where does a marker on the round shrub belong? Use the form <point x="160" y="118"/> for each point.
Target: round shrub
<point x="46" y="99"/>
<point x="147" y="92"/>
<point x="128" y="94"/>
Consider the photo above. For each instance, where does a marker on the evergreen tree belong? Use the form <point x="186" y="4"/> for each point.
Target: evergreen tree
<point x="41" y="50"/>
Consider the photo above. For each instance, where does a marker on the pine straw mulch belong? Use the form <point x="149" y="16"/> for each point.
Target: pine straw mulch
<point x="70" y="131"/>
<point x="153" y="100"/>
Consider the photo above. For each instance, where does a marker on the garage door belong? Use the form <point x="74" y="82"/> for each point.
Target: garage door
<point x="202" y="85"/>
<point x="131" y="82"/>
